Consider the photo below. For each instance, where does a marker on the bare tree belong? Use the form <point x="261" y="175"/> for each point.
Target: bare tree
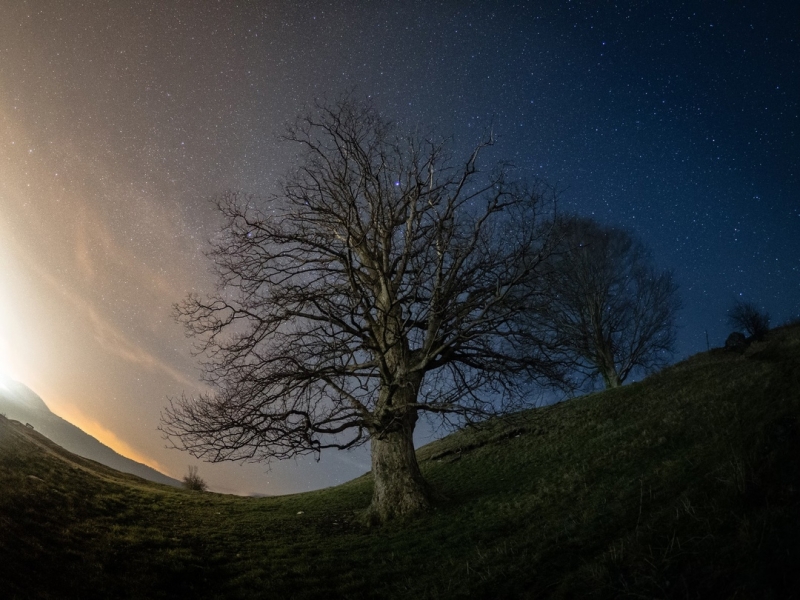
<point x="747" y="317"/>
<point x="610" y="310"/>
<point x="375" y="287"/>
<point x="193" y="481"/>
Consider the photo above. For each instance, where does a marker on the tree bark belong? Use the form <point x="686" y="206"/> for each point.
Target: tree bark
<point x="399" y="486"/>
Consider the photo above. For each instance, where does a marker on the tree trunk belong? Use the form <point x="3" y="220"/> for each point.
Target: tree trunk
<point x="606" y="366"/>
<point x="611" y="378"/>
<point x="399" y="486"/>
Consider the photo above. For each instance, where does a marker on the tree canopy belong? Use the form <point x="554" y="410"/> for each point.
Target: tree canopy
<point x="381" y="283"/>
<point x="747" y="317"/>
<point x="610" y="310"/>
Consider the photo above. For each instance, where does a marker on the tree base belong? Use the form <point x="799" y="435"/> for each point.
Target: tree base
<point x="400" y="490"/>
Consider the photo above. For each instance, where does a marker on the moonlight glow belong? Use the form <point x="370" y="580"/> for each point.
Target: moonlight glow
<point x="118" y="121"/>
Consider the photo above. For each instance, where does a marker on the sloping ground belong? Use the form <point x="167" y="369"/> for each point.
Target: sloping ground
<point x="20" y="403"/>
<point x="686" y="485"/>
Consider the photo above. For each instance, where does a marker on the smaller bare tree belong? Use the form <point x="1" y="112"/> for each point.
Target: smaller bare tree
<point x="193" y="481"/>
<point x="747" y="317"/>
<point x="610" y="310"/>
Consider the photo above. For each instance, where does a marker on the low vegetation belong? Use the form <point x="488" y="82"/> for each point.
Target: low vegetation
<point x="746" y="317"/>
<point x="193" y="481"/>
<point x="683" y="485"/>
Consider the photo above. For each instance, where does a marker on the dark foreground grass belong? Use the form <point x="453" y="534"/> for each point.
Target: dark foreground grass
<point x="686" y="485"/>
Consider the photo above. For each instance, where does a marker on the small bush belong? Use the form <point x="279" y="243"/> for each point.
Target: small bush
<point x="747" y="317"/>
<point x="193" y="481"/>
<point x="736" y="342"/>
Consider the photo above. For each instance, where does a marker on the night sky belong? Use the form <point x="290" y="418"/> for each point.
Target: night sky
<point x="120" y="120"/>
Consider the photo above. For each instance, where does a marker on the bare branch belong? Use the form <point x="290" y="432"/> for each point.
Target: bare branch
<point x="380" y="271"/>
<point x="609" y="310"/>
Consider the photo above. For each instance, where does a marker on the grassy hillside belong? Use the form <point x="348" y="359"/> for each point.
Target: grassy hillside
<point x="20" y="403"/>
<point x="684" y="485"/>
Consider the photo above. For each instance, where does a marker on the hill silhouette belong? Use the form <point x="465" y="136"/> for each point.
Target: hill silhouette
<point x="685" y="485"/>
<point x="19" y="402"/>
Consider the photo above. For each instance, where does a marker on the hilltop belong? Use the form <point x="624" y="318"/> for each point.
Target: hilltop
<point x="684" y="485"/>
<point x="20" y="403"/>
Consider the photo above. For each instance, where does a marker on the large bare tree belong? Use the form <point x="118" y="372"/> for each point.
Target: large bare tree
<point x="378" y="285"/>
<point x="610" y="309"/>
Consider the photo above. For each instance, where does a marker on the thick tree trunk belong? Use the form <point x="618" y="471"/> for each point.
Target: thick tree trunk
<point x="399" y="486"/>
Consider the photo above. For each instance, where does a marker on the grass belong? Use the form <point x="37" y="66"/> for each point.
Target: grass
<point x="685" y="485"/>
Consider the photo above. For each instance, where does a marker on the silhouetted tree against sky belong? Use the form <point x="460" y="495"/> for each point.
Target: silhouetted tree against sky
<point x="611" y="310"/>
<point x="378" y="285"/>
<point x="746" y="317"/>
<point x="193" y="481"/>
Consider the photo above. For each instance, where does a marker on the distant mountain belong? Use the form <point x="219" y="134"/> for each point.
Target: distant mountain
<point x="20" y="403"/>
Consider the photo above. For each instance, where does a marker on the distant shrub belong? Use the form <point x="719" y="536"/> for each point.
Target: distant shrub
<point x="746" y="316"/>
<point x="736" y="342"/>
<point x="193" y="481"/>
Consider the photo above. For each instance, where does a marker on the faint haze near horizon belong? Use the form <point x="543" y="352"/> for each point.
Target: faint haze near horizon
<point x="118" y="122"/>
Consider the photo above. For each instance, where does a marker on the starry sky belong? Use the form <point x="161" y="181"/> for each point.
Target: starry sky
<point x="120" y="120"/>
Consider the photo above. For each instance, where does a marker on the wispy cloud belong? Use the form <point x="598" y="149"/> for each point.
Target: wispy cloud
<point x="108" y="336"/>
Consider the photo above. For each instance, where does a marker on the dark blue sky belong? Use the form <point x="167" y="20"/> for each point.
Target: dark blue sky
<point x="119" y="120"/>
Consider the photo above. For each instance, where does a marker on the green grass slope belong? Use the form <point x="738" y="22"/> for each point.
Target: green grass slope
<point x="686" y="485"/>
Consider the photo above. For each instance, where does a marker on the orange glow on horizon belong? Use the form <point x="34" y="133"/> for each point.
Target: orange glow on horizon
<point x="68" y="412"/>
